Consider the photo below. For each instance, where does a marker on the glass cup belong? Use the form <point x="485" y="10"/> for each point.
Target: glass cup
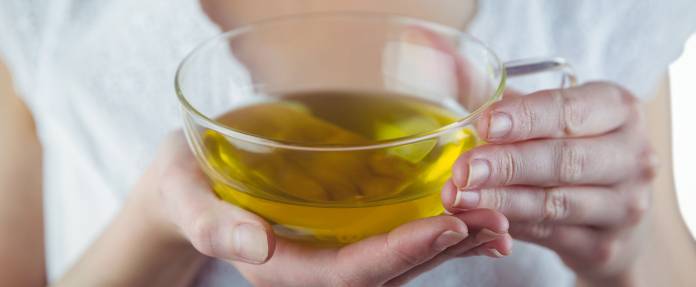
<point x="343" y="190"/>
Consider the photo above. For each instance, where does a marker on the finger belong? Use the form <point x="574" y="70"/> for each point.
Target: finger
<point x="602" y="160"/>
<point x="492" y="248"/>
<point x="575" y="244"/>
<point x="293" y="264"/>
<point x="489" y="249"/>
<point x="480" y="219"/>
<point x="316" y="268"/>
<point x="486" y="225"/>
<point x="489" y="238"/>
<point x="214" y="227"/>
<point x="378" y="259"/>
<point x="589" y="109"/>
<point x="586" y="205"/>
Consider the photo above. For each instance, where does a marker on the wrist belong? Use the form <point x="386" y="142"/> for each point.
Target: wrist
<point x="139" y="248"/>
<point x="160" y="238"/>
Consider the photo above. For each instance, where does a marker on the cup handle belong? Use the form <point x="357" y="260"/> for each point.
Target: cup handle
<point x="531" y="66"/>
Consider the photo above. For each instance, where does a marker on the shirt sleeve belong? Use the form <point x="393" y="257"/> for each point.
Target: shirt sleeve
<point x="21" y="31"/>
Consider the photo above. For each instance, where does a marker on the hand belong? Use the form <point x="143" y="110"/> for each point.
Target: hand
<point x="571" y="169"/>
<point x="190" y="212"/>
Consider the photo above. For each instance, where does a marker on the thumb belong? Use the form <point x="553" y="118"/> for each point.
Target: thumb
<point x="378" y="259"/>
<point x="214" y="227"/>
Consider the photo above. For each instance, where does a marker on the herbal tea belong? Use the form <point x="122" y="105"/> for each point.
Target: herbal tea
<point x="336" y="196"/>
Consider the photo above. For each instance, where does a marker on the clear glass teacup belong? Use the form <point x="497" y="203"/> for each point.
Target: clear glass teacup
<point x="338" y="126"/>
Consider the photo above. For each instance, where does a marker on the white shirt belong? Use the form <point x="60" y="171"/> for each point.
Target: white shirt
<point x="98" y="78"/>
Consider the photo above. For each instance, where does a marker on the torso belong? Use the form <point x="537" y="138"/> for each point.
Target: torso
<point x="102" y="96"/>
<point x="104" y="99"/>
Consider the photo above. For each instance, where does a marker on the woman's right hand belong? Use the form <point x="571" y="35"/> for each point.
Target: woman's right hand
<point x="177" y="201"/>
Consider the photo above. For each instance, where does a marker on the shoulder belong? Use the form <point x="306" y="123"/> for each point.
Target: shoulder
<point x="22" y="28"/>
<point x="22" y="23"/>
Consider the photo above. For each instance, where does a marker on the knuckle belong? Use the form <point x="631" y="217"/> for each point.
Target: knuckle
<point x="573" y="113"/>
<point x="649" y="164"/>
<point x="637" y="207"/>
<point x="572" y="161"/>
<point x="507" y="165"/>
<point x="528" y="117"/>
<point x="623" y="97"/>
<point x="605" y="252"/>
<point x="398" y="250"/>
<point x="495" y="198"/>
<point x="201" y="232"/>
<point x="540" y="231"/>
<point x="556" y="204"/>
<point x="622" y="93"/>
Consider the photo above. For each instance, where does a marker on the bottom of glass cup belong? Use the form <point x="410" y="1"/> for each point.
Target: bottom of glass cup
<point x="334" y="225"/>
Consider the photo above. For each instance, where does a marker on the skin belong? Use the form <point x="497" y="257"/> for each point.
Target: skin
<point x="192" y="215"/>
<point x="577" y="176"/>
<point x="21" y="221"/>
<point x="165" y="244"/>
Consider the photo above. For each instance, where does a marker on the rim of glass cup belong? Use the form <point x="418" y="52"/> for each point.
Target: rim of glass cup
<point x="210" y="123"/>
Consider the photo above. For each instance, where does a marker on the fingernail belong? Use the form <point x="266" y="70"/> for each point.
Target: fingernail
<point x="486" y="235"/>
<point x="479" y="170"/>
<point x="250" y="243"/>
<point x="447" y="239"/>
<point x="493" y="253"/>
<point x="466" y="199"/>
<point x="499" y="126"/>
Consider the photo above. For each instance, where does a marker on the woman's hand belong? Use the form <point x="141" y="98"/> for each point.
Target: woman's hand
<point x="571" y="169"/>
<point x="178" y="201"/>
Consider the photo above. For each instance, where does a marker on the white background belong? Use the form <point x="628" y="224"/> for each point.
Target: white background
<point x="683" y="88"/>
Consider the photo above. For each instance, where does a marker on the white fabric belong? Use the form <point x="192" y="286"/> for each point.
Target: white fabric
<point x="98" y="77"/>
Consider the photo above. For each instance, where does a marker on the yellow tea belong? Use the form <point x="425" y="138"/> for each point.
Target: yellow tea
<point x="336" y="195"/>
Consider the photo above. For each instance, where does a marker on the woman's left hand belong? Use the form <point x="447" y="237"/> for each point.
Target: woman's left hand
<point x="571" y="169"/>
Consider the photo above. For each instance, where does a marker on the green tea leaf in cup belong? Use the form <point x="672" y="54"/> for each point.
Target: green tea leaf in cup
<point x="414" y="152"/>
